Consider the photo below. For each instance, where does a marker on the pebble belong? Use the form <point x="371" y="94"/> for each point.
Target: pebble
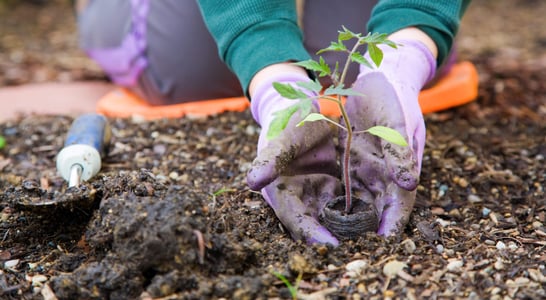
<point x="474" y="198"/>
<point x="443" y="222"/>
<point x="356" y="267"/>
<point x="499" y="265"/>
<point x="11" y="263"/>
<point x="439" y="249"/>
<point x="500" y="245"/>
<point x="442" y="190"/>
<point x="455" y="265"/>
<point x="485" y="212"/>
<point x="462" y="183"/>
<point x="38" y="280"/>
<point x="537" y="224"/>
<point x="409" y="246"/>
<point x="392" y="268"/>
<point x="512" y="246"/>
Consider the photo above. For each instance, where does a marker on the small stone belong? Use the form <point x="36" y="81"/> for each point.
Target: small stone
<point x="455" y="265"/>
<point x="485" y="212"/>
<point x="500" y="245"/>
<point x="38" y="280"/>
<point x="356" y="266"/>
<point x="495" y="290"/>
<point x="443" y="222"/>
<point x="462" y="183"/>
<point x="10" y="264"/>
<point x="439" y="249"/>
<point x="437" y="211"/>
<point x="173" y="175"/>
<point x="322" y="250"/>
<point x="409" y="246"/>
<point x="474" y="199"/>
<point x="499" y="265"/>
<point x="512" y="246"/>
<point x="392" y="268"/>
<point x="536" y="224"/>
<point x="455" y="213"/>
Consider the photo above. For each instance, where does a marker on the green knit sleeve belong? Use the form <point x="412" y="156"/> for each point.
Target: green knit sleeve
<point x="253" y="34"/>
<point x="440" y="19"/>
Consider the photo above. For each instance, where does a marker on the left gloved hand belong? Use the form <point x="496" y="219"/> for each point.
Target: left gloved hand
<point x="385" y="172"/>
<point x="297" y="171"/>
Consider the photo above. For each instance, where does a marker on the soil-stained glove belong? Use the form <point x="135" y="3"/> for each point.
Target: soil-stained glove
<point x="386" y="173"/>
<point x="296" y="171"/>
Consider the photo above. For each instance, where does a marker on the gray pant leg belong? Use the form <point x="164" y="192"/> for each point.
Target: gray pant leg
<point x="183" y="63"/>
<point x="322" y="19"/>
<point x="183" y="58"/>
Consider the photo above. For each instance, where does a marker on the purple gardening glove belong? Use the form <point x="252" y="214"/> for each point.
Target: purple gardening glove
<point x="296" y="171"/>
<point x="384" y="172"/>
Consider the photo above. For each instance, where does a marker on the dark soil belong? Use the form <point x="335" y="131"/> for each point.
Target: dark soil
<point x="170" y="216"/>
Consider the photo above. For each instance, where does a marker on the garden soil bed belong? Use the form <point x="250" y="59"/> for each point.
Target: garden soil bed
<point x="170" y="216"/>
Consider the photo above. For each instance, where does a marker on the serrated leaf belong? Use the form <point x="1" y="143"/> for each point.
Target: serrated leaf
<point x="391" y="44"/>
<point x="339" y="90"/>
<point x="374" y="38"/>
<point x="334" y="47"/>
<point x="280" y="120"/>
<point x="359" y="58"/>
<point x="312" y="118"/>
<point x="347" y="33"/>
<point x="288" y="91"/>
<point x="388" y="134"/>
<point x="313" y="86"/>
<point x="375" y="54"/>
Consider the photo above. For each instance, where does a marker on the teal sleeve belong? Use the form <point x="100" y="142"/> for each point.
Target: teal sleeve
<point x="253" y="34"/>
<point x="439" y="19"/>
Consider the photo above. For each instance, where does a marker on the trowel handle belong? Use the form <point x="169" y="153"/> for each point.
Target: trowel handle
<point x="84" y="147"/>
<point x="89" y="129"/>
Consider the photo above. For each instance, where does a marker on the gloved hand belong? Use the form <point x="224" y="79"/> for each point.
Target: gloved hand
<point x="386" y="172"/>
<point x="296" y="171"/>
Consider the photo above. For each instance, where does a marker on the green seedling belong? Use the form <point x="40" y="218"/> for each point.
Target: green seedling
<point x="2" y="142"/>
<point x="335" y="93"/>
<point x="292" y="288"/>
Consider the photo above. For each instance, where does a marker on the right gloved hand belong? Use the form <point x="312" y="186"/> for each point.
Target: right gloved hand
<point x="297" y="171"/>
<point x="383" y="171"/>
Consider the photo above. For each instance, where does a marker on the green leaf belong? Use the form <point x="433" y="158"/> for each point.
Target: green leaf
<point x="313" y="86"/>
<point x="334" y="46"/>
<point x="374" y="38"/>
<point x="2" y="142"/>
<point x="359" y="58"/>
<point x="288" y="91"/>
<point x="346" y="34"/>
<point x="312" y="118"/>
<point x="375" y="54"/>
<point x="280" y="120"/>
<point x="339" y="90"/>
<point x="391" y="44"/>
<point x="315" y="66"/>
<point x="388" y="134"/>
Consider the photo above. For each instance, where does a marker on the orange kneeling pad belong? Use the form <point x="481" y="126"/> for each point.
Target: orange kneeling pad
<point x="457" y="87"/>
